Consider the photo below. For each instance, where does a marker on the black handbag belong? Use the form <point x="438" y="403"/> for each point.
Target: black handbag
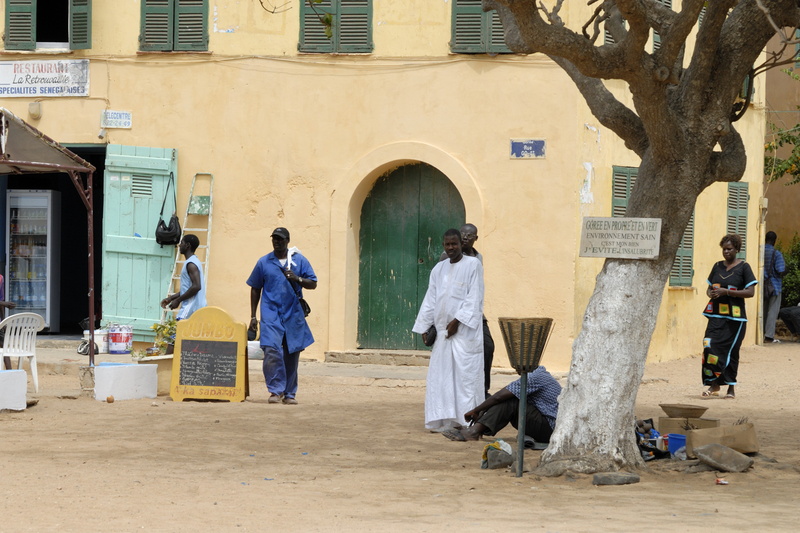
<point x="430" y="336"/>
<point x="305" y="306"/>
<point x="168" y="234"/>
<point x="303" y="303"/>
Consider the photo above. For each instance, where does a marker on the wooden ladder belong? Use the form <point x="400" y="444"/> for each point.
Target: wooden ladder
<point x="197" y="220"/>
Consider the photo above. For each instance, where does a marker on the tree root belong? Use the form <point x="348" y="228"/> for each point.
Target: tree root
<point x="580" y="465"/>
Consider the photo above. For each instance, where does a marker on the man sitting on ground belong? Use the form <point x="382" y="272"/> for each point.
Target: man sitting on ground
<point x="502" y="408"/>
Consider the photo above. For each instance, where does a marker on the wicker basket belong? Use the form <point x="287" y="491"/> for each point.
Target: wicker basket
<point x="525" y="340"/>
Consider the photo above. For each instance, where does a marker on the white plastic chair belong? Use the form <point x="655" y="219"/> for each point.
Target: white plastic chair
<point x="20" y="340"/>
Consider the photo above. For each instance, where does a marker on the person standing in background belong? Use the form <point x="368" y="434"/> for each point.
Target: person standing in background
<point x="774" y="269"/>
<point x="192" y="295"/>
<point x="469" y="234"/>
<point x="729" y="283"/>
<point x="453" y="304"/>
<point x="277" y="281"/>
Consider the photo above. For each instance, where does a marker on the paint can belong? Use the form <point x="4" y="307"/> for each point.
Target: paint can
<point x="100" y="339"/>
<point x="120" y="339"/>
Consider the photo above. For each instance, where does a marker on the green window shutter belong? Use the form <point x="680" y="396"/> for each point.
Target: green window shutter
<point x="607" y="37"/>
<point x="682" y="271"/>
<point x="796" y="49"/>
<point x="191" y="25"/>
<point x="622" y="185"/>
<point x="467" y="27"/>
<point x="20" y="25"/>
<point x="354" y="31"/>
<point x="737" y="213"/>
<point x="80" y="24"/>
<point x="312" y="31"/>
<point x="656" y="35"/>
<point x="497" y="40"/>
<point x="156" y="25"/>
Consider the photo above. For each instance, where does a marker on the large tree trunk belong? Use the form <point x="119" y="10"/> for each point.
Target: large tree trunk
<point x="596" y="410"/>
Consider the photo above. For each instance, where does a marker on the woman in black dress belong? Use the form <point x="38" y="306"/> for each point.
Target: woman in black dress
<point x="730" y="282"/>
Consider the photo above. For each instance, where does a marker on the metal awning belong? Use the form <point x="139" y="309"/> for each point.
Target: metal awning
<point x="26" y="150"/>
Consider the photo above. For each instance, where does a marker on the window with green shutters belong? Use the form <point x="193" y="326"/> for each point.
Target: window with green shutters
<point x="336" y="27"/>
<point x="738" y="196"/>
<point x="682" y="270"/>
<point x="174" y="25"/>
<point x="43" y="24"/>
<point x="475" y="31"/>
<point x="624" y="179"/>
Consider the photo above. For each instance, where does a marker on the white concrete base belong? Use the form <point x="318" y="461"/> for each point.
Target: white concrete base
<point x="164" y="365"/>
<point x="13" y="389"/>
<point x="125" y="381"/>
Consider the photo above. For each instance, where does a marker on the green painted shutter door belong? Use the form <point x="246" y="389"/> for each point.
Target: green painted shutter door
<point x="622" y="184"/>
<point x="402" y="223"/>
<point x="20" y="25"/>
<point x="467" y="27"/>
<point x="682" y="271"/>
<point x="312" y="31"/>
<point x="355" y="26"/>
<point x="497" y="40"/>
<point x="191" y="25"/>
<point x="737" y="213"/>
<point x="156" y="25"/>
<point x="136" y="269"/>
<point x="80" y="24"/>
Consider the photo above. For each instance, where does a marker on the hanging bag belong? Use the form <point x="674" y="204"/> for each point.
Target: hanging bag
<point x="168" y="234"/>
<point x="303" y="303"/>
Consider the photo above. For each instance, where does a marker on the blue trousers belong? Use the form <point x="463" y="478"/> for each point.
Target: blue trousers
<point x="280" y="370"/>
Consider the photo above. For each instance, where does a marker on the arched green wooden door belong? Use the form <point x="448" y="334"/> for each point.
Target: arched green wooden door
<point x="402" y="222"/>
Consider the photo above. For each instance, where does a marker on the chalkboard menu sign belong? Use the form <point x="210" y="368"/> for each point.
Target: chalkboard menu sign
<point x="208" y="363"/>
<point x="210" y="360"/>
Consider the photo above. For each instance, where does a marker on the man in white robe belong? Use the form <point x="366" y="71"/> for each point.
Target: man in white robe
<point x="454" y="305"/>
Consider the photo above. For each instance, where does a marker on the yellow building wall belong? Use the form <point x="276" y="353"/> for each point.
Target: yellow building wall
<point x="297" y="140"/>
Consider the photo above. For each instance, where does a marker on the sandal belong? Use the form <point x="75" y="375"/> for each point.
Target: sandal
<point x="730" y="396"/>
<point x="709" y="393"/>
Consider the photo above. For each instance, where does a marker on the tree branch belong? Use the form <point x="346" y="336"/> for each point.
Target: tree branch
<point x="728" y="164"/>
<point x="607" y="109"/>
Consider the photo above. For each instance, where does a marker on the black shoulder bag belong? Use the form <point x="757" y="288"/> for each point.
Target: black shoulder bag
<point x="303" y="303"/>
<point x="170" y="234"/>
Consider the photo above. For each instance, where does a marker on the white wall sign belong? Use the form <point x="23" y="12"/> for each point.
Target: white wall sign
<point x="623" y="238"/>
<point x="67" y="77"/>
<point x="116" y="119"/>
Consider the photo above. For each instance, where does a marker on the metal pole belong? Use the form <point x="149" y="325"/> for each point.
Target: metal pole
<point x="523" y="405"/>
<point x="90" y="267"/>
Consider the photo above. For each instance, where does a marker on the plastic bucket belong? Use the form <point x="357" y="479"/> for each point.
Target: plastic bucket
<point x="120" y="339"/>
<point x="100" y="339"/>
<point x="676" y="442"/>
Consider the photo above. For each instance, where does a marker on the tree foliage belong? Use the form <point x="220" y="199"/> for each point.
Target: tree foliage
<point x="775" y="166"/>
<point x="790" y="294"/>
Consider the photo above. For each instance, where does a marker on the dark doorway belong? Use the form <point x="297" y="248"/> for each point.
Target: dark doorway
<point x="74" y="291"/>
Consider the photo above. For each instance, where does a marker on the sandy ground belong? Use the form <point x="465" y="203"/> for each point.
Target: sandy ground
<point x="354" y="456"/>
